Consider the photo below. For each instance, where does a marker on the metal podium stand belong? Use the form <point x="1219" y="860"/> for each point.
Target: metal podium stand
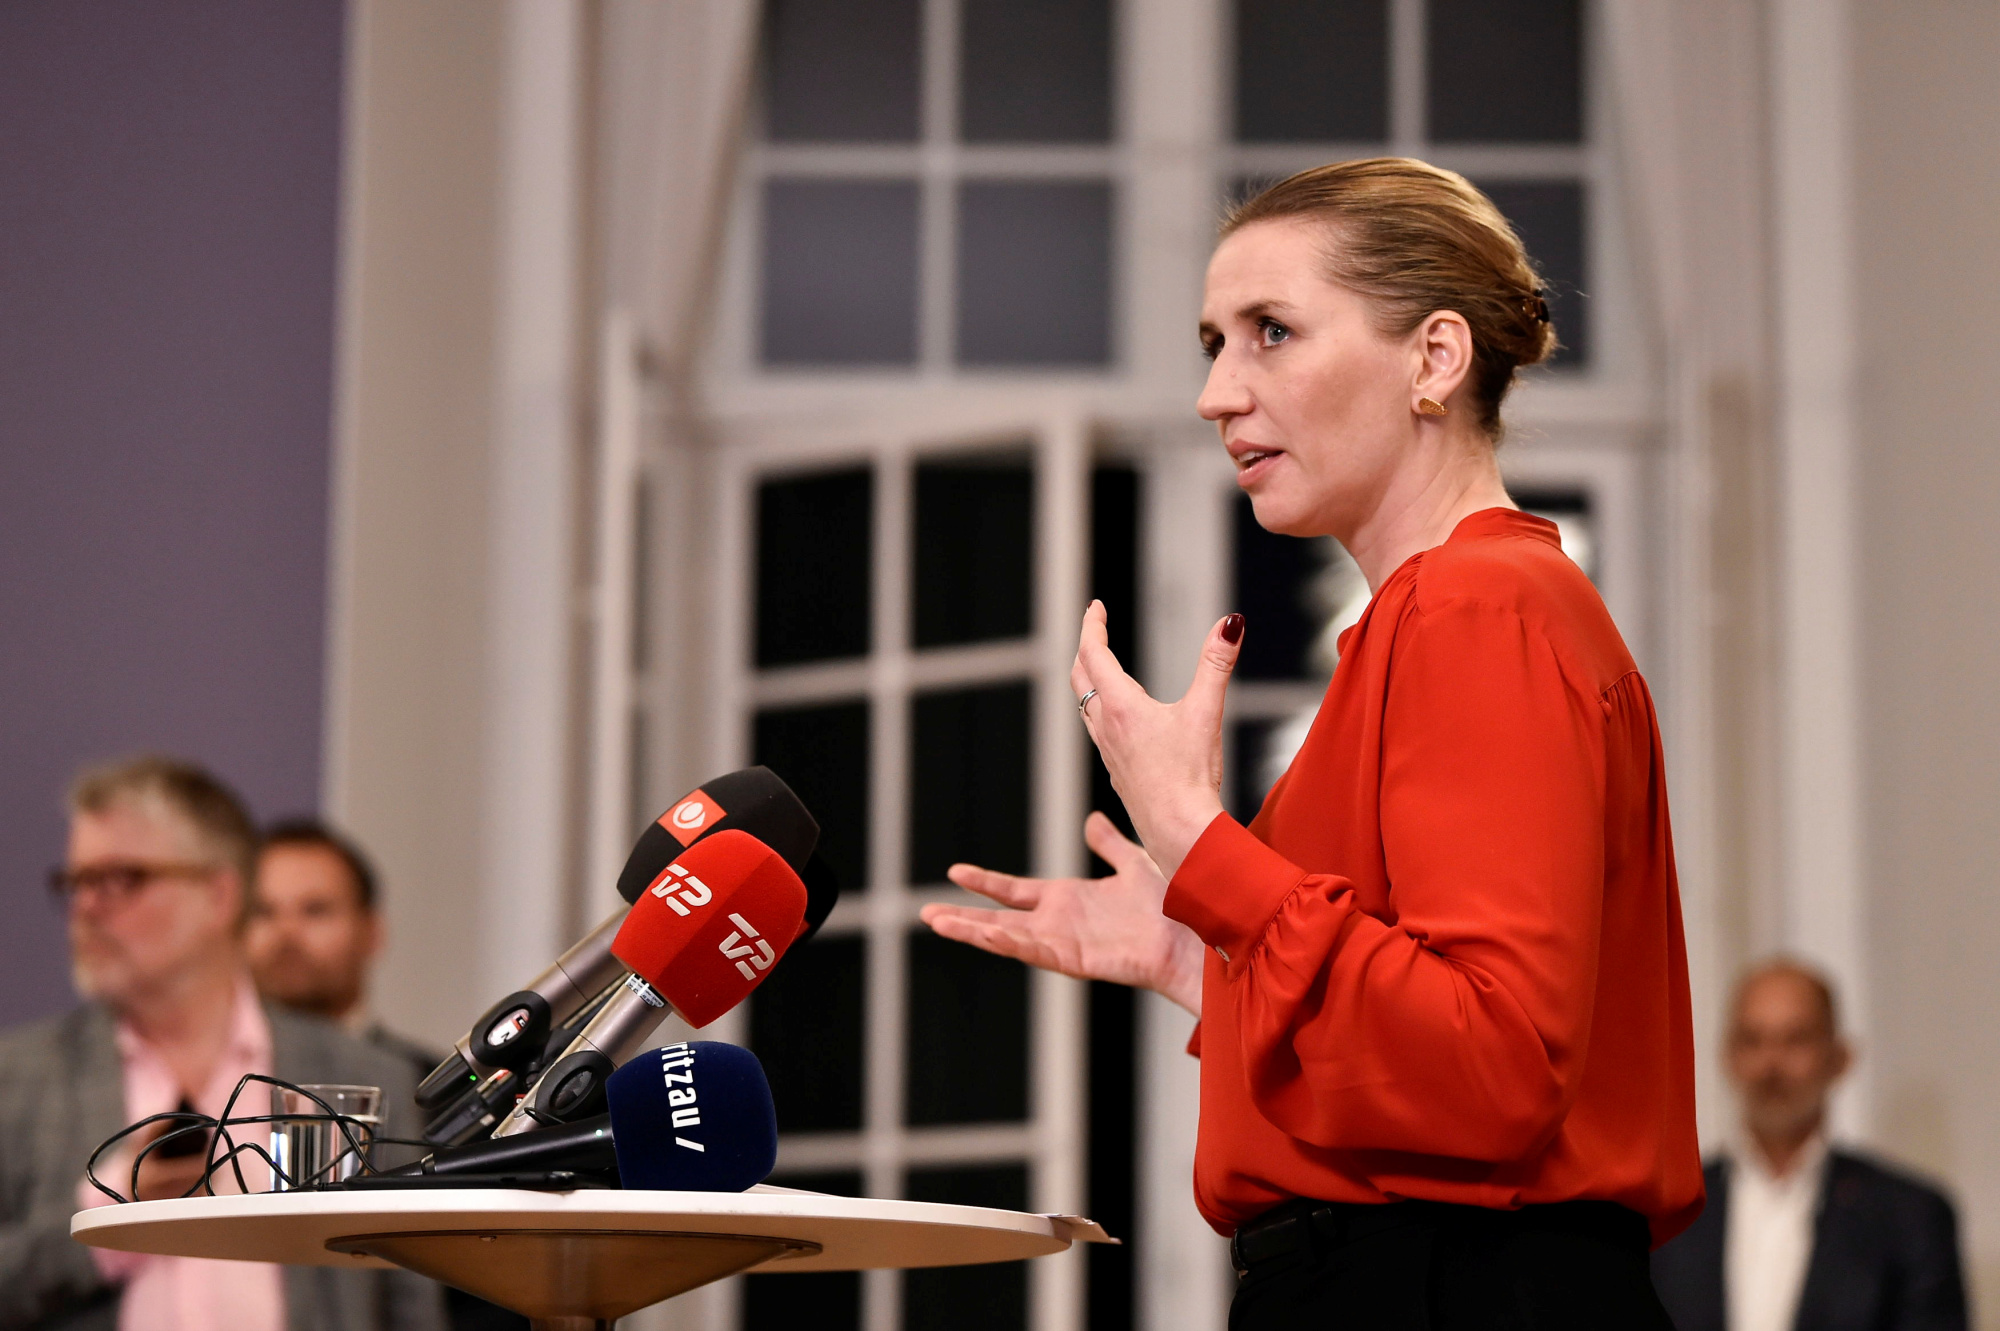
<point x="579" y="1260"/>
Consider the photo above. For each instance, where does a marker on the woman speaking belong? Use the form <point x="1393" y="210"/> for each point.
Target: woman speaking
<point x="1446" y="1058"/>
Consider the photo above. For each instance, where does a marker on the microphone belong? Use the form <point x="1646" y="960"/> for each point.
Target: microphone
<point x="751" y="800"/>
<point x="513" y="1032"/>
<point x="699" y="939"/>
<point x="695" y="1117"/>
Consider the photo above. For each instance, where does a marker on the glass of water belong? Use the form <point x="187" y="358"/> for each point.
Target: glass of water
<point x="312" y="1149"/>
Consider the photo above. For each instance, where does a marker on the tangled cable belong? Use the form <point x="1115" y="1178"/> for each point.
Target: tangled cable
<point x="360" y="1137"/>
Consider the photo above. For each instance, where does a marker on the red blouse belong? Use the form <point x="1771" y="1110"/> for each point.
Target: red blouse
<point x="1446" y="958"/>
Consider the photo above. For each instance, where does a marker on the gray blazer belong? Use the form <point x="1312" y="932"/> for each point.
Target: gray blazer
<point x="62" y="1092"/>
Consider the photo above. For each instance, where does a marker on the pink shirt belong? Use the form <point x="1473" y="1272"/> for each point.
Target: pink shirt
<point x="196" y="1293"/>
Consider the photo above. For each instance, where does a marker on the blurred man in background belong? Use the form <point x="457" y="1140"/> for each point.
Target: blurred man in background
<point x="1798" y="1236"/>
<point x="316" y="929"/>
<point x="156" y="883"/>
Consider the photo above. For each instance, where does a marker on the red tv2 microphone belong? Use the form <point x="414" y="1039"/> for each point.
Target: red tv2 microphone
<point x="701" y="936"/>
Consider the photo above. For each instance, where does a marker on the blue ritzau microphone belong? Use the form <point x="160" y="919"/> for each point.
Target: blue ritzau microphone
<point x="696" y="1116"/>
<point x="689" y="1117"/>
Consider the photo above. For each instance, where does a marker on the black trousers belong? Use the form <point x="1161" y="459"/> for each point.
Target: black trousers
<point x="1429" y="1266"/>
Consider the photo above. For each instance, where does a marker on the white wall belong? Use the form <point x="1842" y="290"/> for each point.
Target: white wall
<point x="1927" y="121"/>
<point x="407" y="641"/>
<point x="450" y="745"/>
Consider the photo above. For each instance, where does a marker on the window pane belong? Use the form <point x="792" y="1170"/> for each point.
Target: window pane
<point x="829" y="1299"/>
<point x="968" y="1035"/>
<point x="1035" y="71"/>
<point x="806" y="1026"/>
<point x="1114" y="580"/>
<point x="839" y="1182"/>
<point x="968" y="780"/>
<point x="1034" y="273"/>
<point x="842" y="70"/>
<point x="815" y="542"/>
<point x="1571" y="511"/>
<point x="1274" y="586"/>
<point x="823" y="1300"/>
<point x="1312" y="71"/>
<point x="1549" y="216"/>
<point x="1506" y="71"/>
<point x="968" y="1298"/>
<point x="1114" y="1131"/>
<point x="1250" y="744"/>
<point x="973" y="532"/>
<point x="840" y="272"/>
<point x="821" y="751"/>
<point x="1114" y="556"/>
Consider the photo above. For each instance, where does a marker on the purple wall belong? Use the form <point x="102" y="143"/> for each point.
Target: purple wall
<point x="169" y="186"/>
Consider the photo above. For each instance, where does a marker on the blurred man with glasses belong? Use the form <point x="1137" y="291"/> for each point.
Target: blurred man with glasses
<point x="155" y="885"/>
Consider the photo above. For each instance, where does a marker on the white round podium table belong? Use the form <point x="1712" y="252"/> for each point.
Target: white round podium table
<point x="571" y="1260"/>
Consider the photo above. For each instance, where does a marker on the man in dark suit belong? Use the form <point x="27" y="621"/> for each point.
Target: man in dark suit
<point x="1797" y="1236"/>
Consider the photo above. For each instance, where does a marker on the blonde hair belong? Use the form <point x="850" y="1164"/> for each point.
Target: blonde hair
<point x="1416" y="239"/>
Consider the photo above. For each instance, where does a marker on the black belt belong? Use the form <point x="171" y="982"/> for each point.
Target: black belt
<point x="1315" y="1227"/>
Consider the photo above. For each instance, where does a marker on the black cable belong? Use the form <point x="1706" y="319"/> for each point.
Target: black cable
<point x="360" y="1139"/>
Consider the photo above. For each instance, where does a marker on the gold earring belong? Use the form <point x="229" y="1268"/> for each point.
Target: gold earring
<point x="1427" y="406"/>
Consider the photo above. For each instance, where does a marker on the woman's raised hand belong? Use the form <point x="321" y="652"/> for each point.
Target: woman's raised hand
<point x="1092" y="928"/>
<point x="1165" y="759"/>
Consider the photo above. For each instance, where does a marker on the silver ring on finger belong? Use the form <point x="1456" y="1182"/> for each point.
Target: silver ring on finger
<point x="1084" y="702"/>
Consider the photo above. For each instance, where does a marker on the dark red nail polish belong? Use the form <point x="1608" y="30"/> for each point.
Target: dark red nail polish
<point x="1232" y="629"/>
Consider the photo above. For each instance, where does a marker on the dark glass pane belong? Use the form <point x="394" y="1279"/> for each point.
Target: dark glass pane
<point x="1114" y="556"/>
<point x="823" y="1300"/>
<point x="1114" y="1129"/>
<point x="839" y="1182"/>
<point x="1114" y="580"/>
<point x="1249" y="742"/>
<point x="1273" y="574"/>
<point x="970" y="547"/>
<point x="806" y="1026"/>
<point x="968" y="1050"/>
<point x="1003" y="1187"/>
<point x="829" y="1299"/>
<point x="968" y="1298"/>
<point x="1506" y="71"/>
<point x="1035" y="71"/>
<point x="840" y="272"/>
<point x="821" y="751"/>
<point x="1034" y="273"/>
<point x="815" y="571"/>
<point x="1312" y="71"/>
<point x="1571" y="511"/>
<point x="969" y="780"/>
<point x="842" y="70"/>
<point x="1549" y="216"/>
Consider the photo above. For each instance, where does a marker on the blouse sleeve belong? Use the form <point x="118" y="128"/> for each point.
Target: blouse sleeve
<point x="1456" y="1025"/>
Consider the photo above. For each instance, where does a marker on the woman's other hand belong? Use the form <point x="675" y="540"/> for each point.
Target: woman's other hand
<point x="1165" y="759"/>
<point x="1092" y="928"/>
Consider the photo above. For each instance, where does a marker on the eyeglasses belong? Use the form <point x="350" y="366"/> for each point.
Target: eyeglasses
<point x="115" y="884"/>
